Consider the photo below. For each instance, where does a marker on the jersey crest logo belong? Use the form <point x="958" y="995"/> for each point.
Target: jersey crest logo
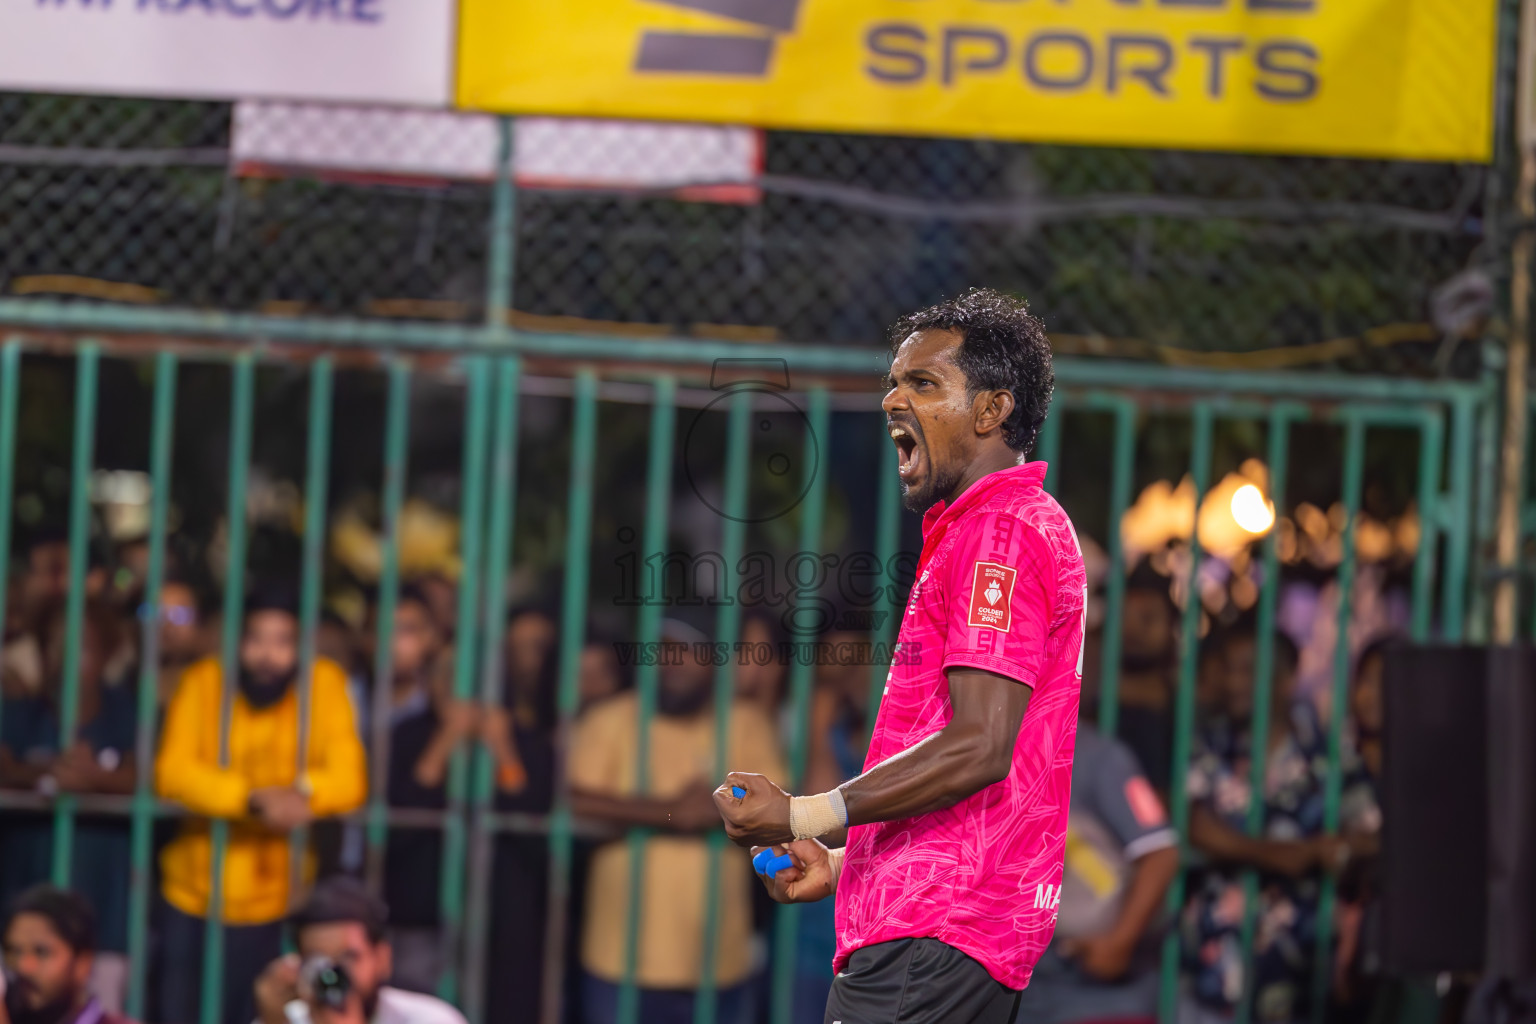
<point x="992" y="596"/>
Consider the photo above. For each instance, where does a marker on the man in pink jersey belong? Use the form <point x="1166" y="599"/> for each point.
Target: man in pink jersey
<point x="947" y="890"/>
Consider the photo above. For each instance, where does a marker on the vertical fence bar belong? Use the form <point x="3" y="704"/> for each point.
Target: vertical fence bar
<point x="1354" y="473"/>
<point x="573" y="628"/>
<point x="786" y="923"/>
<point x="1048" y="446"/>
<point x="502" y="250"/>
<point x="140" y="874"/>
<point x="471" y="524"/>
<point x="1122" y="474"/>
<point x="87" y="362"/>
<point x="733" y="532"/>
<point x="658" y="500"/>
<point x="1431" y="455"/>
<point x="317" y="472"/>
<point x="1263" y="687"/>
<point x="500" y="267"/>
<point x="242" y="402"/>
<point x="1458" y="518"/>
<point x="1483" y="558"/>
<point x="10" y="378"/>
<point x="397" y="415"/>
<point x="1184" y="713"/>
<point x="887" y="609"/>
<point x="498" y="556"/>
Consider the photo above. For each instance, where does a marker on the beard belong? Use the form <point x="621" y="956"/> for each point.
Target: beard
<point x="682" y="705"/>
<point x="53" y="1011"/>
<point x="938" y="484"/>
<point x="264" y="689"/>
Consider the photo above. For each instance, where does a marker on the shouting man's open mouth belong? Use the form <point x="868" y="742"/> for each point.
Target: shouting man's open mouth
<point x="909" y="450"/>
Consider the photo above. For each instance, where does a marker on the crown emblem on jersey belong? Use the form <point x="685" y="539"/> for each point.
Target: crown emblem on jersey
<point x="993" y="592"/>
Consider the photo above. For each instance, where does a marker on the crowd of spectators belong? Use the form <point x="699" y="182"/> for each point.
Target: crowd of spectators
<point x="291" y="808"/>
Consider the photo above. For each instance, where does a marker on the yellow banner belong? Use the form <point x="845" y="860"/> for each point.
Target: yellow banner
<point x="1409" y="79"/>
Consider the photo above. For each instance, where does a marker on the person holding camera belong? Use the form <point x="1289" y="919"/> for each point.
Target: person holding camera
<point x="340" y="973"/>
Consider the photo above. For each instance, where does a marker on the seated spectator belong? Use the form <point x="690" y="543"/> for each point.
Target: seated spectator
<point x="422" y="739"/>
<point x="761" y="672"/>
<point x="1121" y="857"/>
<point x="1357" y="979"/>
<point x="528" y="652"/>
<point x="1292" y="853"/>
<point x="38" y="597"/>
<point x="1149" y="654"/>
<point x="1366" y="703"/>
<point x="100" y="760"/>
<point x="1211" y="678"/>
<point x="519" y="735"/>
<point x="45" y="571"/>
<point x="599" y="676"/>
<point x="48" y="942"/>
<point x="259" y="789"/>
<point x="442" y="596"/>
<point x="678" y="804"/>
<point x="182" y="638"/>
<point x="343" y="925"/>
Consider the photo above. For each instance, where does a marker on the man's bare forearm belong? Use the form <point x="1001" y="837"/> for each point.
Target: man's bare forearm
<point x="937" y="773"/>
<point x="1146" y="892"/>
<point x="644" y="812"/>
<point x="972" y="752"/>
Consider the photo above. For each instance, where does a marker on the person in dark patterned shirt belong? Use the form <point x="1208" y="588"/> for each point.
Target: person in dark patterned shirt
<point x="1292" y="852"/>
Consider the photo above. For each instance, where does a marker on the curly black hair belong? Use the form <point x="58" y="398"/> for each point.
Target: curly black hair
<point x="1004" y="347"/>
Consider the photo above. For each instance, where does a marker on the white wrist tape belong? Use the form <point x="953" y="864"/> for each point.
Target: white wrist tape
<point x="835" y="859"/>
<point x="811" y="817"/>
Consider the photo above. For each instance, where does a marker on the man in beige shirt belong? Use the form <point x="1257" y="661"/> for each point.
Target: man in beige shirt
<point x="678" y="803"/>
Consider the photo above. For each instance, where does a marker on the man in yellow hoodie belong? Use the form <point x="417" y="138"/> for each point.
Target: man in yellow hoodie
<point x="259" y="789"/>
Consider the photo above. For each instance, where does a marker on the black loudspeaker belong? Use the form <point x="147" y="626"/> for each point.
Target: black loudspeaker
<point x="1511" y="864"/>
<point x="1435" y="810"/>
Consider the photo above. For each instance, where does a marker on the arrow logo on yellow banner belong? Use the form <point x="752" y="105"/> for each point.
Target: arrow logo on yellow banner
<point x="719" y="53"/>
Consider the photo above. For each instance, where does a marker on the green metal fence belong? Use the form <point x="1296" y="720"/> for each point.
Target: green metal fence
<point x="835" y="387"/>
<point x="126" y="238"/>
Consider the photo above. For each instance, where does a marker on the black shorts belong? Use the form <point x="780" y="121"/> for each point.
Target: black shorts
<point x="917" y="981"/>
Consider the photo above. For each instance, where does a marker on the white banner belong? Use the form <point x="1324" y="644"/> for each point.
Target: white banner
<point x="708" y="162"/>
<point x="374" y="51"/>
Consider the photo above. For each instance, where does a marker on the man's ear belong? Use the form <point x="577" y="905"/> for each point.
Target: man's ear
<point x="82" y="970"/>
<point x="994" y="408"/>
<point x="386" y="955"/>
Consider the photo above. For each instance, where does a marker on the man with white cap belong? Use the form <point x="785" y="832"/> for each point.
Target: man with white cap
<point x="677" y="802"/>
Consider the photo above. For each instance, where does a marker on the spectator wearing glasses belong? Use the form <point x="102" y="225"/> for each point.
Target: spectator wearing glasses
<point x="182" y="638"/>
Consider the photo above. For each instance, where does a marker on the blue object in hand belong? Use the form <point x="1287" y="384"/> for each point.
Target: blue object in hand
<point x="777" y="864"/>
<point x="738" y="792"/>
<point x="765" y="863"/>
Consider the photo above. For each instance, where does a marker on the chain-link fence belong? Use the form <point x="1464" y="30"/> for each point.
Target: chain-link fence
<point x="829" y="238"/>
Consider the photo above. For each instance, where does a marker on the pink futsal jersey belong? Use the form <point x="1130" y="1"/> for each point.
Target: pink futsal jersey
<point x="1000" y="587"/>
